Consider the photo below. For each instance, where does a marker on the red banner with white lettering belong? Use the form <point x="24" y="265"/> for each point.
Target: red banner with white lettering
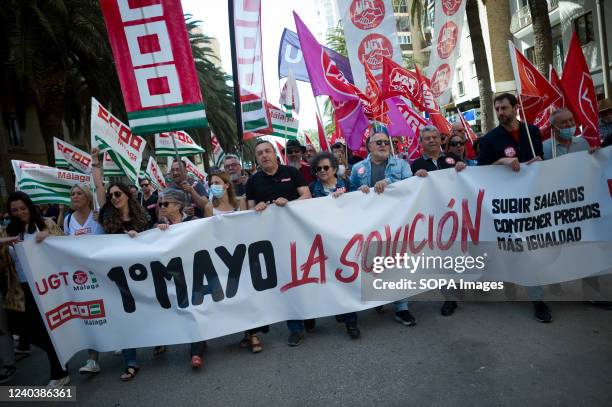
<point x="154" y="64"/>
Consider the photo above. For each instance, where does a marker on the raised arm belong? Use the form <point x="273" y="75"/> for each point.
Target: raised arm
<point x="96" y="173"/>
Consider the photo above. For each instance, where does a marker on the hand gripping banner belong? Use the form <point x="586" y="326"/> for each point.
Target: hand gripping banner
<point x="153" y="57"/>
<point x="546" y="224"/>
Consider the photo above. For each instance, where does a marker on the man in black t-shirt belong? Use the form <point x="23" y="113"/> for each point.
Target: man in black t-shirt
<point x="433" y="158"/>
<point x="510" y="144"/>
<point x="149" y="199"/>
<point x="277" y="184"/>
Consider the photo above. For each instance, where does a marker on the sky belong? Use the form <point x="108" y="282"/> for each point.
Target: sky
<point x="276" y="15"/>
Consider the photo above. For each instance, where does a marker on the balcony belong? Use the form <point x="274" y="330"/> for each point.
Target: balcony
<point x="522" y="17"/>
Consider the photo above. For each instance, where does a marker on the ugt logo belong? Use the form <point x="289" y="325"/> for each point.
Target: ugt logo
<point x="373" y="48"/>
<point x="367" y="14"/>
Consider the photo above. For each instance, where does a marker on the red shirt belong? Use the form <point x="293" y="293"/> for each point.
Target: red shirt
<point x="307" y="173"/>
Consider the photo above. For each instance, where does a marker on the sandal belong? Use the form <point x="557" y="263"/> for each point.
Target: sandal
<point x="196" y="362"/>
<point x="159" y="350"/>
<point x="129" y="373"/>
<point x="255" y="344"/>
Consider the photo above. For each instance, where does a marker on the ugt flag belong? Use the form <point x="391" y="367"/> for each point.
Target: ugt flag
<point x="155" y="66"/>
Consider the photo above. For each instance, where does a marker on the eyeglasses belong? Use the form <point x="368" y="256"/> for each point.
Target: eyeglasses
<point x="231" y="165"/>
<point x="165" y="204"/>
<point x="456" y="143"/>
<point x="323" y="168"/>
<point x="381" y="142"/>
<point x="116" y="194"/>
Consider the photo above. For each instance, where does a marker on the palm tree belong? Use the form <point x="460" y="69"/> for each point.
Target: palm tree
<point x="335" y="40"/>
<point x="482" y="65"/>
<point x="417" y="9"/>
<point x="542" y="35"/>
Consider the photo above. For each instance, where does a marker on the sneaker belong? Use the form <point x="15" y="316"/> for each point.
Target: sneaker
<point x="448" y="308"/>
<point x="352" y="330"/>
<point x="91" y="366"/>
<point x="295" y="338"/>
<point x="59" y="382"/>
<point x="380" y="309"/>
<point x="405" y="318"/>
<point x="7" y="373"/>
<point x="541" y="312"/>
<point x="310" y="324"/>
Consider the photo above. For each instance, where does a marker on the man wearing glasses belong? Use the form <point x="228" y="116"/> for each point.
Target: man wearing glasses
<point x="377" y="171"/>
<point x="295" y="152"/>
<point x="149" y="199"/>
<point x="232" y="166"/>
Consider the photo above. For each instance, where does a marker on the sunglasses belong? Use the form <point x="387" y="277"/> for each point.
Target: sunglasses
<point x="323" y="168"/>
<point x="144" y="185"/>
<point x="456" y="143"/>
<point x="381" y="142"/>
<point x="116" y="194"/>
<point x="294" y="151"/>
<point x="165" y="204"/>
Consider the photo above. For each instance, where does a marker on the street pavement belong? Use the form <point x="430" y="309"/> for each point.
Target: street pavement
<point x="486" y="354"/>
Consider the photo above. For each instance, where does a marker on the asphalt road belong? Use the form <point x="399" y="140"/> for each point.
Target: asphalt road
<point x="487" y="354"/>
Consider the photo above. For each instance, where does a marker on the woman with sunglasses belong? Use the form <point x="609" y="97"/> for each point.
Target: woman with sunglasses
<point x="24" y="318"/>
<point x="171" y="212"/>
<point x="120" y="213"/>
<point x="325" y="168"/>
<point x="224" y="196"/>
<point x="456" y="147"/>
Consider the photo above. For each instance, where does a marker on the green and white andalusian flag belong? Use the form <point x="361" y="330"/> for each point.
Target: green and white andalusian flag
<point x="218" y="155"/>
<point x="164" y="147"/>
<point x="109" y="134"/>
<point x="110" y="169"/>
<point x="290" y="98"/>
<point x="284" y="126"/>
<point x="46" y="184"/>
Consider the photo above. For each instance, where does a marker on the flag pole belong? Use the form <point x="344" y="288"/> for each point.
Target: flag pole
<point x="517" y="80"/>
<point x="234" y="56"/>
<point x="527" y="128"/>
<point x="322" y="126"/>
<point x="178" y="158"/>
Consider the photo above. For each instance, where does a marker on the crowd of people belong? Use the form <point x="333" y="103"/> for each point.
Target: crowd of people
<point x="307" y="175"/>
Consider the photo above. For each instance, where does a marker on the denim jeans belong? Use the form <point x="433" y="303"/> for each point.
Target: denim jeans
<point x="295" y="325"/>
<point x="535" y="293"/>
<point x="129" y="357"/>
<point x="401" y="305"/>
<point x="349" y="318"/>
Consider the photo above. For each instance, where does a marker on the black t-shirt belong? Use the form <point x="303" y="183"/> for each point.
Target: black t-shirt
<point x="499" y="143"/>
<point x="428" y="164"/>
<point x="151" y="206"/>
<point x="239" y="188"/>
<point x="262" y="187"/>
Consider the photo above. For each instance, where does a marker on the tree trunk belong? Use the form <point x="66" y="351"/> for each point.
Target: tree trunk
<point x="50" y="107"/>
<point x="542" y="35"/>
<point x="416" y="35"/>
<point x="482" y="66"/>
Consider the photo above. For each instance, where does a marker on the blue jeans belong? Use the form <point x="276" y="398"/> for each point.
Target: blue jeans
<point x="295" y="325"/>
<point x="350" y="318"/>
<point x="535" y="293"/>
<point x="129" y="357"/>
<point x="401" y="305"/>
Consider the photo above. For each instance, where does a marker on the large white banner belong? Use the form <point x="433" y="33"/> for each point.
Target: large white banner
<point x="70" y="157"/>
<point x="109" y="134"/>
<point x="221" y="275"/>
<point x="46" y="184"/>
<point x="448" y="25"/>
<point x="370" y="32"/>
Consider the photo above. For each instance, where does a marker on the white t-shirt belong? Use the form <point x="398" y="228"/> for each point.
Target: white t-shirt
<point x="74" y="228"/>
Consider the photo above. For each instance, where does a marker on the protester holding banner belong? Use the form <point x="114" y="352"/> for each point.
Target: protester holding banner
<point x="377" y="171"/>
<point x="563" y="141"/>
<point x="224" y="197"/>
<point x="512" y="143"/>
<point x="149" y="198"/>
<point x="456" y="144"/>
<point x="277" y="184"/>
<point x="80" y="222"/>
<point x="23" y="315"/>
<point x="432" y="158"/>
<point x="295" y="158"/>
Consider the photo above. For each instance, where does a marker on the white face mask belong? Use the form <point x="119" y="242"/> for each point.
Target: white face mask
<point x="341" y="170"/>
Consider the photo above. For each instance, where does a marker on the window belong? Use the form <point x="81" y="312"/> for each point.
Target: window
<point x="404" y="39"/>
<point x="473" y="69"/>
<point x="583" y="26"/>
<point x="402" y="23"/>
<point x="530" y="54"/>
<point x="460" y="86"/>
<point x="557" y="43"/>
<point x="400" y="6"/>
<point x="14" y="133"/>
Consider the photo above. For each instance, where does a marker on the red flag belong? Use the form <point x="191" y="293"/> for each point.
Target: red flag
<point x="469" y="146"/>
<point x="371" y="100"/>
<point x="529" y="81"/>
<point x="399" y="81"/>
<point x="337" y="134"/>
<point x="280" y="150"/>
<point x="555" y="82"/>
<point x="308" y="142"/>
<point x="577" y="85"/>
<point x="322" y="139"/>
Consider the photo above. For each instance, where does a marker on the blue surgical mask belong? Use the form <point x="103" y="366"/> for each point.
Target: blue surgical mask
<point x="568" y="133"/>
<point x="217" y="190"/>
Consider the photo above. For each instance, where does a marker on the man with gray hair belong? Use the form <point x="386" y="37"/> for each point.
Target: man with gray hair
<point x="231" y="165"/>
<point x="433" y="158"/>
<point x="563" y="139"/>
